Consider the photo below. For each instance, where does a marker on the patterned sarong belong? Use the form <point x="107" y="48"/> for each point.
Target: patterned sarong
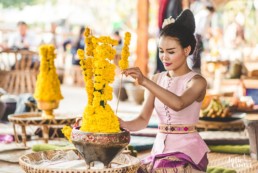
<point x="172" y="163"/>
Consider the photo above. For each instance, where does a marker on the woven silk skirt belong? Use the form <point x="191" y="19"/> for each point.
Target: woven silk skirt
<point x="172" y="163"/>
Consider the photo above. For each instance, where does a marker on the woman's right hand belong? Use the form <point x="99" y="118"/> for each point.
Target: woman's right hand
<point x="135" y="73"/>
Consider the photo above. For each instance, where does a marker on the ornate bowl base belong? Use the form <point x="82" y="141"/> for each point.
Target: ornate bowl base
<point x="102" y="147"/>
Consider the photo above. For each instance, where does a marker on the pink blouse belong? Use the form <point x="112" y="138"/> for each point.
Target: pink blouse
<point x="190" y="144"/>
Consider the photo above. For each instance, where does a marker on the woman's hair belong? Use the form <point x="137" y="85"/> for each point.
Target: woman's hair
<point x="183" y="29"/>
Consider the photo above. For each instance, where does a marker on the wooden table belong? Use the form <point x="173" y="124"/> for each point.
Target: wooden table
<point x="233" y="124"/>
<point x="252" y="116"/>
<point x="236" y="125"/>
<point x="34" y="119"/>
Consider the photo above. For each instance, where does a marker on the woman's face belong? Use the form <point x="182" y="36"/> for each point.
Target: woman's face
<point x="171" y="53"/>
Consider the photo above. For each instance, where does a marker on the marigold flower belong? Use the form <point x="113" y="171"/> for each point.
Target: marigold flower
<point x="123" y="63"/>
<point x="47" y="84"/>
<point x="67" y="130"/>
<point x="98" y="73"/>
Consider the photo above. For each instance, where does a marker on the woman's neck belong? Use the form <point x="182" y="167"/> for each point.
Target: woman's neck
<point x="178" y="72"/>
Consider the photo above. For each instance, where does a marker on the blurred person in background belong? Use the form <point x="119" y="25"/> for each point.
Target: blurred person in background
<point x="53" y="33"/>
<point x="234" y="35"/>
<point x="203" y="19"/>
<point x="78" y="44"/>
<point x="119" y="47"/>
<point x="52" y="36"/>
<point x="22" y="39"/>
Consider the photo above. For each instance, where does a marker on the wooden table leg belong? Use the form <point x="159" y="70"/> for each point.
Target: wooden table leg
<point x="15" y="134"/>
<point x="45" y="133"/>
<point x="24" y="135"/>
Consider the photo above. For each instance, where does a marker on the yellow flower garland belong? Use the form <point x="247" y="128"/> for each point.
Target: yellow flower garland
<point x="99" y="73"/>
<point x="123" y="63"/>
<point x="47" y="85"/>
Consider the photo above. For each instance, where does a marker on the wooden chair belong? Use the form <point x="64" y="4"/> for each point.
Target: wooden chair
<point x="19" y="70"/>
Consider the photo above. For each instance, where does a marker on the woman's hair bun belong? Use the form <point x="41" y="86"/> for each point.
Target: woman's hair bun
<point x="186" y="20"/>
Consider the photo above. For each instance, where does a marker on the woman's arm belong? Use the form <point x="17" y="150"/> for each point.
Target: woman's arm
<point x="142" y="120"/>
<point x="195" y="91"/>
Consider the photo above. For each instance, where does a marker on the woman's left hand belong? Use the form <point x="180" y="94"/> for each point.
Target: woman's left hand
<point x="135" y="73"/>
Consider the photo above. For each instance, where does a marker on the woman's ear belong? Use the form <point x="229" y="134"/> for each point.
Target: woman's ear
<point x="187" y="50"/>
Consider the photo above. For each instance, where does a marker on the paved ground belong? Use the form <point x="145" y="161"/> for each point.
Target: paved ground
<point x="73" y="103"/>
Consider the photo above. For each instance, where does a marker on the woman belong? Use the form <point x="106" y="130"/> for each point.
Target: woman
<point x="176" y="95"/>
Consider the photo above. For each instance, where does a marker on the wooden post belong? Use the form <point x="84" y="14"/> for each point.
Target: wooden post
<point x="142" y="36"/>
<point x="45" y="133"/>
<point x="15" y="134"/>
<point x="24" y="135"/>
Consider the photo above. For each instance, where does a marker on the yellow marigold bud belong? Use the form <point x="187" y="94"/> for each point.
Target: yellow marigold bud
<point x="67" y="131"/>
<point x="127" y="34"/>
<point x="87" y="32"/>
<point x="80" y="53"/>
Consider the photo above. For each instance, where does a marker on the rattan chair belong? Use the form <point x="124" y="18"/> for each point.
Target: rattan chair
<point x="18" y="71"/>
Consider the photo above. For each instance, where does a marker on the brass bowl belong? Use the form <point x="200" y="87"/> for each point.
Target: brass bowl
<point x="47" y="108"/>
<point x="103" y="147"/>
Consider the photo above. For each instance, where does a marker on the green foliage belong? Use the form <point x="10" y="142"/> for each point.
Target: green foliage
<point x="220" y="170"/>
<point x="234" y="149"/>
<point x="47" y="147"/>
<point x="21" y="3"/>
<point x="17" y="3"/>
<point x="132" y="151"/>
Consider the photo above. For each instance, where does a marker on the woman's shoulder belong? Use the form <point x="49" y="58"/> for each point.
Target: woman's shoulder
<point x="198" y="78"/>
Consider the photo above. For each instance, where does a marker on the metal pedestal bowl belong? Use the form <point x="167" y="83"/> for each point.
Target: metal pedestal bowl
<point x="103" y="147"/>
<point x="47" y="108"/>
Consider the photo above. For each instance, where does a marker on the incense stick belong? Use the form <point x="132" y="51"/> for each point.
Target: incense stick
<point x="119" y="92"/>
